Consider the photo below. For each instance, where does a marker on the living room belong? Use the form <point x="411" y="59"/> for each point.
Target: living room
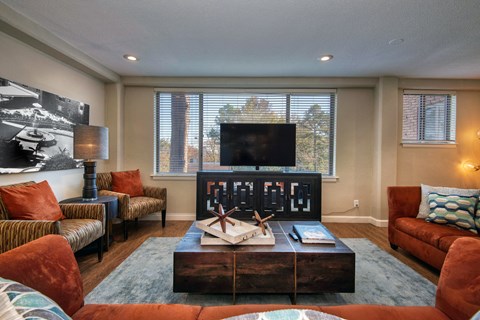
<point x="369" y="153"/>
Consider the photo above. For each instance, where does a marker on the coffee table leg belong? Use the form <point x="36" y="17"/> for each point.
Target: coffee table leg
<point x="293" y="298"/>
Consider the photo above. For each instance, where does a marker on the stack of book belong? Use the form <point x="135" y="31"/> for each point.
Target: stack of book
<point x="313" y="234"/>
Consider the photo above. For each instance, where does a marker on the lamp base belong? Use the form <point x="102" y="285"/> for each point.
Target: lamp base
<point x="90" y="181"/>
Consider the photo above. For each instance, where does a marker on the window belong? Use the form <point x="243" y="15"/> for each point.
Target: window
<point x="187" y="127"/>
<point x="429" y="117"/>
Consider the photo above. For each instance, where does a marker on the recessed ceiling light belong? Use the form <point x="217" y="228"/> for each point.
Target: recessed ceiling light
<point x="325" y="58"/>
<point x="129" y="57"/>
<point x="395" y="42"/>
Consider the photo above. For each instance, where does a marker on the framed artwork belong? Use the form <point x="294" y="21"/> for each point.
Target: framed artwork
<point x="36" y="129"/>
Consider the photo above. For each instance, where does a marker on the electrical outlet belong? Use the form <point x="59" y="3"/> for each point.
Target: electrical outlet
<point x="356" y="203"/>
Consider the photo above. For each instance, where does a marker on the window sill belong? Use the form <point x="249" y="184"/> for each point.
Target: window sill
<point x="193" y="177"/>
<point x="174" y="177"/>
<point x="428" y="145"/>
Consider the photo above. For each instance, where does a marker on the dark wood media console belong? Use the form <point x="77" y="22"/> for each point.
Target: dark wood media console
<point x="288" y="195"/>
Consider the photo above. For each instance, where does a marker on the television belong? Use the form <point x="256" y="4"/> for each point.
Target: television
<point x="257" y="144"/>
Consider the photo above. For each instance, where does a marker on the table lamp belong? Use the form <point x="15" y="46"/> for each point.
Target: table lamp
<point x="90" y="143"/>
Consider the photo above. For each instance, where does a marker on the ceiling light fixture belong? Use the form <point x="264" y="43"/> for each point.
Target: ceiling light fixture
<point x="325" y="58"/>
<point x="129" y="57"/>
<point x="395" y="42"/>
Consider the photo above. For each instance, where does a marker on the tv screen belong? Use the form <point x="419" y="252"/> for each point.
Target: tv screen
<point x="259" y="144"/>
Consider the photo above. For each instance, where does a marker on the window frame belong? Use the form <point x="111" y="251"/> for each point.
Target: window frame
<point x="450" y="110"/>
<point x="252" y="91"/>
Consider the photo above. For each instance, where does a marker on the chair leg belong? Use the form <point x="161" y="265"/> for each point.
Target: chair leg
<point x="393" y="246"/>
<point x="100" y="248"/>
<point x="164" y="217"/>
<point x="125" y="230"/>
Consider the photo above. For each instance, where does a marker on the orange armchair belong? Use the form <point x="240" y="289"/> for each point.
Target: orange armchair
<point x="154" y="199"/>
<point x="83" y="224"/>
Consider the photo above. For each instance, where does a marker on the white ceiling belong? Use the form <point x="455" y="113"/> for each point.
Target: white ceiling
<point x="269" y="38"/>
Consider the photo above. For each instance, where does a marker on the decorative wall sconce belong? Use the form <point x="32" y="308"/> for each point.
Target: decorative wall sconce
<point x="471" y="166"/>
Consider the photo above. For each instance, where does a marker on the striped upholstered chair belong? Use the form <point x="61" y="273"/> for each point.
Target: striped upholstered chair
<point x="133" y="206"/>
<point x="82" y="225"/>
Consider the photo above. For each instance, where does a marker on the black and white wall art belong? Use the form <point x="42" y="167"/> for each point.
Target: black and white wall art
<point x="36" y="129"/>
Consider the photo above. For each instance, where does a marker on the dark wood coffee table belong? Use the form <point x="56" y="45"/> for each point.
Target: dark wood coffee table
<point x="289" y="266"/>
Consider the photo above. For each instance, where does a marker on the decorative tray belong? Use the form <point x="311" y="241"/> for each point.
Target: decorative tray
<point x="241" y="231"/>
<point x="259" y="240"/>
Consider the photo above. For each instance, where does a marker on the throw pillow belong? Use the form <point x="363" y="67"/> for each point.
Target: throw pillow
<point x="477" y="218"/>
<point x="31" y="202"/>
<point x="453" y="210"/>
<point x="18" y="301"/>
<point x="127" y="182"/>
<point x="424" y="209"/>
<point x="291" y="314"/>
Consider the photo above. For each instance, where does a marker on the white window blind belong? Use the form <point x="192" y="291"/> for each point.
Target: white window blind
<point x="180" y="117"/>
<point x="429" y="117"/>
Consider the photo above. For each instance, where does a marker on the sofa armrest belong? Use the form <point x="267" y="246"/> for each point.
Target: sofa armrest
<point x="94" y="211"/>
<point x="403" y="201"/>
<point x="458" y="290"/>
<point x="48" y="266"/>
<point x="14" y="233"/>
<point x="155" y="192"/>
<point x="123" y="201"/>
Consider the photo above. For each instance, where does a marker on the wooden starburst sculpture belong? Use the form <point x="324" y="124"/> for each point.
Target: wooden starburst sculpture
<point x="261" y="222"/>
<point x="222" y="217"/>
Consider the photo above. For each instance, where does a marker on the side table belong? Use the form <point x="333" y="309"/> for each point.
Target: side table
<point x="111" y="211"/>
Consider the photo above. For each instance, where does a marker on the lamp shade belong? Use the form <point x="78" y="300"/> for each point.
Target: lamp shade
<point x="90" y="142"/>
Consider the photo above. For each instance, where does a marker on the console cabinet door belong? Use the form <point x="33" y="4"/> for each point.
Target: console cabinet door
<point x="289" y="196"/>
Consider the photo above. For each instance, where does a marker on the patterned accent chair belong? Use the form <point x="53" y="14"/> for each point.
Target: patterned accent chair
<point x="84" y="224"/>
<point x="132" y="208"/>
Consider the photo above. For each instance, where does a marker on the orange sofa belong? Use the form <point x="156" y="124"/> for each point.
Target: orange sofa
<point x="425" y="240"/>
<point x="49" y="266"/>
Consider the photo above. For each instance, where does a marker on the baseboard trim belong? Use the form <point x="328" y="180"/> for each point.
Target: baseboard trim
<point x="171" y="217"/>
<point x="355" y="219"/>
<point x="333" y="219"/>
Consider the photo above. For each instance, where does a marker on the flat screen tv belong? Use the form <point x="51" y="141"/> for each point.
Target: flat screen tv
<point x="257" y="144"/>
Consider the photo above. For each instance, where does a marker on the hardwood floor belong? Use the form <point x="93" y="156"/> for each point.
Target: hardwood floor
<point x="94" y="272"/>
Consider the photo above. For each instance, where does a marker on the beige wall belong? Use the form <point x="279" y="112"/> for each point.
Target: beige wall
<point x="354" y="152"/>
<point x="440" y="165"/>
<point x="22" y="63"/>
<point x="369" y="154"/>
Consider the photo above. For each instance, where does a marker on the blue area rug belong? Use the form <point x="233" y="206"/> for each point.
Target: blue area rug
<point x="146" y="276"/>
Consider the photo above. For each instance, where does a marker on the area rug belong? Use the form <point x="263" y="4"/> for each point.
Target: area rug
<point x="146" y="276"/>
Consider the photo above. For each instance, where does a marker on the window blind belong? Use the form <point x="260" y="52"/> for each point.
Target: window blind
<point x="187" y="127"/>
<point x="429" y="118"/>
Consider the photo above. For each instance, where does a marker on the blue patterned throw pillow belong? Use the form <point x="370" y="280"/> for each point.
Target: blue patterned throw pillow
<point x="453" y="210"/>
<point x="290" y="314"/>
<point x="477" y="217"/>
<point x="21" y="302"/>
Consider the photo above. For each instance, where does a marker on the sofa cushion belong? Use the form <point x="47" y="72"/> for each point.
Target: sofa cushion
<point x="31" y="202"/>
<point x="18" y="301"/>
<point x="424" y="209"/>
<point x="453" y="210"/>
<point x="445" y="242"/>
<point x="291" y="314"/>
<point x="221" y="312"/>
<point x="140" y="206"/>
<point x="81" y="232"/>
<point x="458" y="289"/>
<point x="378" y="312"/>
<point x="427" y="232"/>
<point x="127" y="182"/>
<point x="138" y="312"/>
